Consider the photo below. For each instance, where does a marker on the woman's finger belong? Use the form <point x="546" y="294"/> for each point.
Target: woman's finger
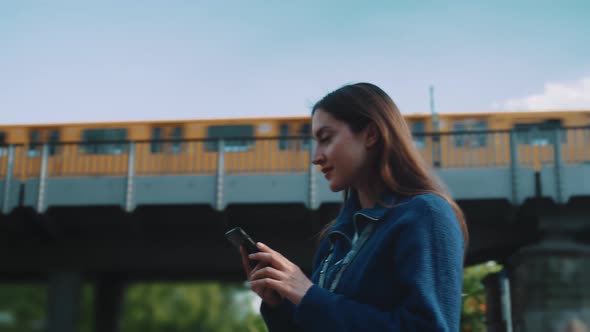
<point x="278" y="258"/>
<point x="245" y="262"/>
<point x="276" y="285"/>
<point x="270" y="256"/>
<point x="259" y="265"/>
<point x="264" y="248"/>
<point x="269" y="259"/>
<point x="267" y="272"/>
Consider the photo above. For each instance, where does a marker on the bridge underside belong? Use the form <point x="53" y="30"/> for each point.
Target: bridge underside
<point x="527" y="206"/>
<point x="175" y="242"/>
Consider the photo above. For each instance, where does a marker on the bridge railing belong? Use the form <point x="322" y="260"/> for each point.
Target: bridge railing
<point x="484" y="149"/>
<point x="576" y="149"/>
<point x="503" y="164"/>
<point x="165" y="157"/>
<point x="465" y="149"/>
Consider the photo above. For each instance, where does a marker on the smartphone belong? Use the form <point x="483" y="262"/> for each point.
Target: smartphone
<point x="238" y="237"/>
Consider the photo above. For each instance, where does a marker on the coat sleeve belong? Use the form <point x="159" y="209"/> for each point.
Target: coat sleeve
<point x="280" y="318"/>
<point x="428" y="259"/>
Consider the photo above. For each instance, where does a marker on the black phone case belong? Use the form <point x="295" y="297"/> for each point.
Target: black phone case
<point x="237" y="236"/>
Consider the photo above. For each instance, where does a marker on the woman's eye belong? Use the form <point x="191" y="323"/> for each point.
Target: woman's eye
<point x="324" y="139"/>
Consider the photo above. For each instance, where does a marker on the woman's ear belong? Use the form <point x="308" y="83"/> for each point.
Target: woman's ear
<point x="372" y="135"/>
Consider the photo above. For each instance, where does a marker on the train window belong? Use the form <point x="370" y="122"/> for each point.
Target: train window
<point x="284" y="132"/>
<point x="104" y="141"/>
<point x="37" y="137"/>
<point x="156" y="145"/>
<point x="466" y="139"/>
<point x="419" y="128"/>
<point x="539" y="133"/>
<point x="459" y="141"/>
<point x="166" y="133"/>
<point x="34" y="143"/>
<point x="3" y="145"/>
<point x="264" y="128"/>
<point x="305" y="131"/>
<point x="176" y="135"/>
<point x="236" y="137"/>
<point x="481" y="138"/>
<point x="53" y="140"/>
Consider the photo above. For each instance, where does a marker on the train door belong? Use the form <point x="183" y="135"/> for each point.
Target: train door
<point x="8" y="137"/>
<point x="103" y="152"/>
<point x="293" y="152"/>
<point x="536" y="141"/>
<point x="241" y="152"/>
<point x="468" y="144"/>
<point x="304" y="131"/>
<point x="418" y="128"/>
<point x="3" y="155"/>
<point x="284" y="159"/>
<point x="34" y="151"/>
<point x="178" y="160"/>
<point x="166" y="152"/>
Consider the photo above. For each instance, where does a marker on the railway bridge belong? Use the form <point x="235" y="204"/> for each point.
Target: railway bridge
<point x="69" y="216"/>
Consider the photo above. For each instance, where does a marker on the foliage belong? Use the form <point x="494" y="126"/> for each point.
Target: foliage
<point x="474" y="297"/>
<point x="147" y="308"/>
<point x="175" y="307"/>
<point x="22" y="307"/>
<point x="188" y="307"/>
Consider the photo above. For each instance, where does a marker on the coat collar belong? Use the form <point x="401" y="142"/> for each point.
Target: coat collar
<point x="349" y="220"/>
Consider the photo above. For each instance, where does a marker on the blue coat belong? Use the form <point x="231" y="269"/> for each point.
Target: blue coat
<point x="406" y="277"/>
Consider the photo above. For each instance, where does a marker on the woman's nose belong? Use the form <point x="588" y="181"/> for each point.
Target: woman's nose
<point x="317" y="158"/>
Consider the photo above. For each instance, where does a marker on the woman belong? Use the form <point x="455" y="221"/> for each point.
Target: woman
<point x="393" y="259"/>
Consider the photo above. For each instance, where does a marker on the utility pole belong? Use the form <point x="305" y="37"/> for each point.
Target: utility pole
<point x="435" y="123"/>
<point x="435" y="131"/>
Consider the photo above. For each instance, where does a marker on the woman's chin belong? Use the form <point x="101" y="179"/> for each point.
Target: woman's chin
<point x="335" y="187"/>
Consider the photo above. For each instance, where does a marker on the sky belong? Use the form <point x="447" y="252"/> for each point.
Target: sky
<point x="96" y="61"/>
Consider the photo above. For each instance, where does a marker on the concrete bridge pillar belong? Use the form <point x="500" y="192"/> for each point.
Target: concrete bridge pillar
<point x="497" y="302"/>
<point x="109" y="296"/>
<point x="550" y="280"/>
<point x="64" y="301"/>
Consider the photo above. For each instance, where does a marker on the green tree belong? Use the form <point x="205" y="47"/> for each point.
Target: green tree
<point x="188" y="307"/>
<point x="148" y="307"/>
<point x="474" y="297"/>
<point x="22" y="307"/>
<point x="184" y="307"/>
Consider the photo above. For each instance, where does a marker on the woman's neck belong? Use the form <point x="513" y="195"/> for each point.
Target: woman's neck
<point x="368" y="196"/>
<point x="366" y="201"/>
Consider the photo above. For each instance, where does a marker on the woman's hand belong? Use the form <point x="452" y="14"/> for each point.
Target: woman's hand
<point x="279" y="274"/>
<point x="269" y="296"/>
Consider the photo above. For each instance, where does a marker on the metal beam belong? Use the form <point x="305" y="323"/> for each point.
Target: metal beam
<point x="8" y="180"/>
<point x="64" y="301"/>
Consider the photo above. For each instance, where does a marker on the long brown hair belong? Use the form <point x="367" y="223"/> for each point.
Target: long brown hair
<point x="400" y="166"/>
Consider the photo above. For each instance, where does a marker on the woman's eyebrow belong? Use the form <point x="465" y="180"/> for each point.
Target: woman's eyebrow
<point x="320" y="131"/>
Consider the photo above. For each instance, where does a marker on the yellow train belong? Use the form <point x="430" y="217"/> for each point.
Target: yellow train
<point x="279" y="144"/>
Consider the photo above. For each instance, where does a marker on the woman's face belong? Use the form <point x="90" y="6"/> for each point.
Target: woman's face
<point x="342" y="155"/>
